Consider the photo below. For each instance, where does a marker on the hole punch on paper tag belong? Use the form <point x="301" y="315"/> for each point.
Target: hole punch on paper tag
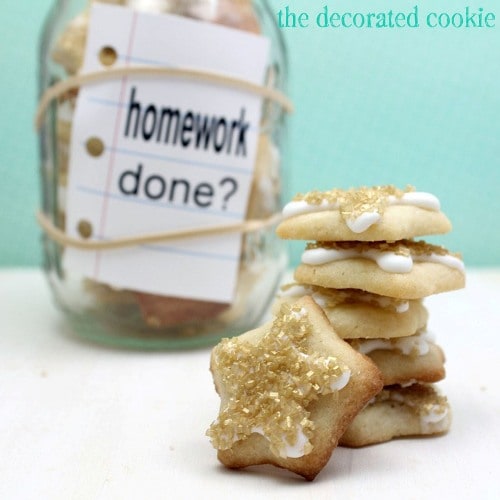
<point x="95" y="146"/>
<point x="108" y="56"/>
<point x="85" y="229"/>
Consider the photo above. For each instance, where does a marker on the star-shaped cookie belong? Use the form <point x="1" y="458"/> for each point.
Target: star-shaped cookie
<point x="417" y="410"/>
<point x="379" y="213"/>
<point x="289" y="390"/>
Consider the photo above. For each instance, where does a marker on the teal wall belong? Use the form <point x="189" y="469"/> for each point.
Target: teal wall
<point x="19" y="236"/>
<point x="404" y="106"/>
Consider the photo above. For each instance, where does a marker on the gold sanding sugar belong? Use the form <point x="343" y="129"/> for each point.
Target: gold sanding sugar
<point x="421" y="399"/>
<point x="424" y="248"/>
<point x="353" y="202"/>
<point x="401" y="247"/>
<point x="355" y="296"/>
<point x="332" y="297"/>
<point x="398" y="247"/>
<point x="270" y="384"/>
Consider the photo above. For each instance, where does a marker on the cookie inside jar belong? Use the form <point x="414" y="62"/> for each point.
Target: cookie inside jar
<point x="114" y="311"/>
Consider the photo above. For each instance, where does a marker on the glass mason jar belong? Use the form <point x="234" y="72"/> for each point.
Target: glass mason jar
<point x="126" y="317"/>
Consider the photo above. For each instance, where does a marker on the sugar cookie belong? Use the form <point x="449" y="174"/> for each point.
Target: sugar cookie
<point x="405" y="269"/>
<point x="358" y="314"/>
<point x="69" y="50"/>
<point x="405" y="360"/>
<point x="288" y="390"/>
<point x="397" y="412"/>
<point x="364" y="214"/>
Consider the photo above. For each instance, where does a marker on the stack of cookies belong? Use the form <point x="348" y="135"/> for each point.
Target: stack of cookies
<point x="369" y="275"/>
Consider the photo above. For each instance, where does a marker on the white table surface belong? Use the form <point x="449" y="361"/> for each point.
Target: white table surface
<point x="82" y="421"/>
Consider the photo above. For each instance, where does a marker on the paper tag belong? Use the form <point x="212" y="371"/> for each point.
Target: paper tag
<point x="159" y="154"/>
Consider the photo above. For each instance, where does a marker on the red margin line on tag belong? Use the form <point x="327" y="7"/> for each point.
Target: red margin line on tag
<point x="111" y="163"/>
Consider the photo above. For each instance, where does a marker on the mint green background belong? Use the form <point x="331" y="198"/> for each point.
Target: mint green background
<point x="403" y="106"/>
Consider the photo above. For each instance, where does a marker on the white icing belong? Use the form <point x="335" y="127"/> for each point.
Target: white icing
<point x="336" y="385"/>
<point x="434" y="416"/>
<point x="298" y="449"/>
<point x="290" y="451"/>
<point x="342" y="381"/>
<point x="436" y="420"/>
<point x="391" y="262"/>
<point x="361" y="223"/>
<point x="447" y="260"/>
<point x="403" y="306"/>
<point x="320" y="299"/>
<point x="435" y="413"/>
<point x="410" y="382"/>
<point x="419" y="343"/>
<point x="319" y="256"/>
<point x="387" y="261"/>
<point x="368" y="346"/>
<point x="303" y="207"/>
<point x="417" y="199"/>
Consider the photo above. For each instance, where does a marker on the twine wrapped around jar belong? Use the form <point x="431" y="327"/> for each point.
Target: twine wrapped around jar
<point x="60" y="88"/>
